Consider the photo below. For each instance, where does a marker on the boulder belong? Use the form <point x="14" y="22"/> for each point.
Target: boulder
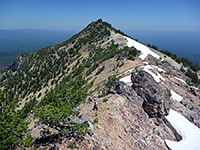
<point x="91" y="128"/>
<point x="120" y="88"/>
<point x="156" y="99"/>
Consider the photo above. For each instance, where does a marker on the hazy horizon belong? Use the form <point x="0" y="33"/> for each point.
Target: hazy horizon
<point x="176" y="15"/>
<point x="16" y="42"/>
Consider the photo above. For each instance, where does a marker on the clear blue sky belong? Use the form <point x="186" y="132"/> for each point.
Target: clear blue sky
<point x="122" y="14"/>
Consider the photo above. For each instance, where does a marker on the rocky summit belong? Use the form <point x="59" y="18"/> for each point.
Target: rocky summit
<point x="100" y="89"/>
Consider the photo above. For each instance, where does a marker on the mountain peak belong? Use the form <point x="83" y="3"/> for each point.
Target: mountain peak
<point x="94" y="89"/>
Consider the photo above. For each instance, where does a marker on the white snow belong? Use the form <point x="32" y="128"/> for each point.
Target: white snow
<point x="145" y="62"/>
<point x="156" y="77"/>
<point x="162" y="59"/>
<point x="180" y="80"/>
<point x="130" y="70"/>
<point x="186" y="83"/>
<point x="144" y="49"/>
<point x="159" y="76"/>
<point x="194" y="87"/>
<point x="175" y="96"/>
<point x="147" y="66"/>
<point x="127" y="71"/>
<point x="126" y="79"/>
<point x="159" y="69"/>
<point x="189" y="132"/>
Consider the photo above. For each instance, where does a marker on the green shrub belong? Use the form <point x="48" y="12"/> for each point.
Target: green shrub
<point x="71" y="146"/>
<point x="105" y="100"/>
<point x="14" y="130"/>
<point x="154" y="47"/>
<point x="121" y="64"/>
<point x="182" y="69"/>
<point x="169" y="92"/>
<point x="91" y="69"/>
<point x="112" y="80"/>
<point x="168" y="72"/>
<point x="100" y="70"/>
<point x="158" y="133"/>
<point x="131" y="58"/>
<point x="193" y="76"/>
<point x="39" y="94"/>
<point x="96" y="120"/>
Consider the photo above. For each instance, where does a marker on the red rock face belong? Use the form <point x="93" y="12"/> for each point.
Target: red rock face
<point x="123" y="124"/>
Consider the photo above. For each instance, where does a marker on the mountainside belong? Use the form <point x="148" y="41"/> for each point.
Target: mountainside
<point x="100" y="89"/>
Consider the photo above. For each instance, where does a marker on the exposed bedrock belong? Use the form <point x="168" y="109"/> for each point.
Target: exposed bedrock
<point x="156" y="97"/>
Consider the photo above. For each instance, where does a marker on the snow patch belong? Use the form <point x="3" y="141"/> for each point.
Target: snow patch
<point x="156" y="77"/>
<point x="186" y="83"/>
<point x="159" y="76"/>
<point x="194" y="87"/>
<point x="175" y="96"/>
<point x="180" y="80"/>
<point x="145" y="62"/>
<point x="159" y="69"/>
<point x="189" y="132"/>
<point x="126" y="79"/>
<point x="127" y="71"/>
<point x="130" y="70"/>
<point x="144" y="49"/>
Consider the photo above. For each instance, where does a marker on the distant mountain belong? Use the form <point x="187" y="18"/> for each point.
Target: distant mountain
<point x="16" y="42"/>
<point x="100" y="89"/>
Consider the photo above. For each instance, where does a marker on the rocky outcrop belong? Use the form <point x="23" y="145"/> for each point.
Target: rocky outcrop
<point x="176" y="134"/>
<point x="123" y="124"/>
<point x="126" y="91"/>
<point x="188" y="110"/>
<point x="123" y="121"/>
<point x="19" y="62"/>
<point x="156" y="99"/>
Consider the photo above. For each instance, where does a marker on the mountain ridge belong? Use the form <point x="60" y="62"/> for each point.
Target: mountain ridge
<point x="62" y="88"/>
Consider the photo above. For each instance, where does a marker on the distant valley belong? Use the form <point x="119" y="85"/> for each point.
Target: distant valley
<point x="16" y="42"/>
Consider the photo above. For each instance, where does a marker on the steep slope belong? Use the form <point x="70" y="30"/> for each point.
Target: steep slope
<point x="83" y="94"/>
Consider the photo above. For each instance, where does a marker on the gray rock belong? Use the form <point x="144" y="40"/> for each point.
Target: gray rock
<point x="83" y="118"/>
<point x="91" y="128"/>
<point x="111" y="91"/>
<point x="193" y="91"/>
<point x="176" y="134"/>
<point x="133" y="76"/>
<point x="122" y="89"/>
<point x="119" y="88"/>
<point x="156" y="100"/>
<point x="20" y="62"/>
